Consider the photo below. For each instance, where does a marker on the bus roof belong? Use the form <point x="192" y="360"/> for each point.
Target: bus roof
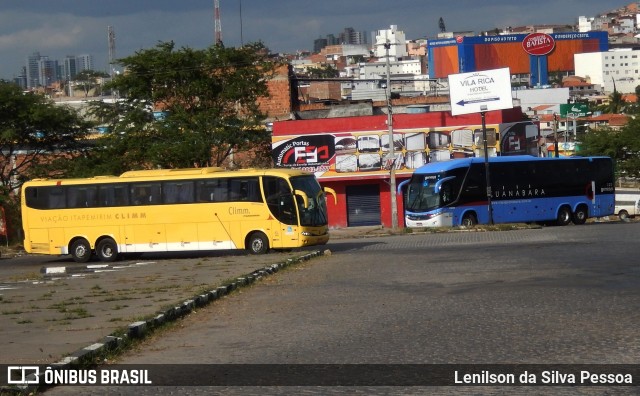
<point x="437" y="167"/>
<point x="170" y="174"/>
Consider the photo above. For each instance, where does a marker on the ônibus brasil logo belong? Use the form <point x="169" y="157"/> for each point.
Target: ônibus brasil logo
<point x="538" y="44"/>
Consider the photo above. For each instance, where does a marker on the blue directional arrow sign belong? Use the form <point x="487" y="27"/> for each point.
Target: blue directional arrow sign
<point x="481" y="91"/>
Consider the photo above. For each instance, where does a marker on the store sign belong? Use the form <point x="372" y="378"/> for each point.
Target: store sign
<point x="538" y="44"/>
<point x="304" y="151"/>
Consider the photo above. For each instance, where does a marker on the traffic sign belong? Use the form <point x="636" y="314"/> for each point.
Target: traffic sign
<point x="578" y="110"/>
<point x="481" y="91"/>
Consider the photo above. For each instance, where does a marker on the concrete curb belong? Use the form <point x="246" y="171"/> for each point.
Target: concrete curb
<point x="139" y="330"/>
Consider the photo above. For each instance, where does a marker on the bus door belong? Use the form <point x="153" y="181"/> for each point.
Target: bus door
<point x="282" y="209"/>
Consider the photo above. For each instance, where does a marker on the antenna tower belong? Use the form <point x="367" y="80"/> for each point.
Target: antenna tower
<point x="217" y="22"/>
<point x="111" y="37"/>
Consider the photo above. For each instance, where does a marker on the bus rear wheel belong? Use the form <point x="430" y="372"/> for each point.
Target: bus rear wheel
<point x="81" y="250"/>
<point x="564" y="216"/>
<point x="580" y="215"/>
<point x="107" y="250"/>
<point x="258" y="243"/>
<point x="623" y="215"/>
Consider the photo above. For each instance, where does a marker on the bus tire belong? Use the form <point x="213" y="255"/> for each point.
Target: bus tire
<point x="623" y="215"/>
<point x="80" y="250"/>
<point x="580" y="215"/>
<point x="469" y="220"/>
<point x="257" y="243"/>
<point x="107" y="250"/>
<point x="564" y="216"/>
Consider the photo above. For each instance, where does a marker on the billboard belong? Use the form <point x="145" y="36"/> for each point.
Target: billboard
<point x="352" y="154"/>
<point x="477" y="53"/>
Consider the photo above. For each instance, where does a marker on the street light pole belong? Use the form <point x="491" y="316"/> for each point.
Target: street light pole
<point x="392" y="170"/>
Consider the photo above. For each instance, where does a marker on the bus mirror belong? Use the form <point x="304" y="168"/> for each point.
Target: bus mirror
<point x="438" y="185"/>
<point x="333" y="193"/>
<point x="304" y="197"/>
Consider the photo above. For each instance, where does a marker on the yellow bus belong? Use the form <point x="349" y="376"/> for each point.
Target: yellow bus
<point x="171" y="210"/>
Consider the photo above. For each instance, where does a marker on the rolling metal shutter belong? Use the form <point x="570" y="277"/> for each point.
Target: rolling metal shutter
<point x="363" y="205"/>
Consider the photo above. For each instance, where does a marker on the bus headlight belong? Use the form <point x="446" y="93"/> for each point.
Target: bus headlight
<point x="421" y="217"/>
<point x="306" y="233"/>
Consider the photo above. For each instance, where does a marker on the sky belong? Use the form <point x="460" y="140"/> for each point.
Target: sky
<point x="57" y="28"/>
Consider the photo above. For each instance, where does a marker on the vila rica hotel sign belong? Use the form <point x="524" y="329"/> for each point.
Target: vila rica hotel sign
<point x="538" y="44"/>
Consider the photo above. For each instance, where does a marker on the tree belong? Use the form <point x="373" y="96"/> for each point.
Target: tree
<point x="33" y="130"/>
<point x="89" y="79"/>
<point x="326" y="71"/>
<point x="184" y="107"/>
<point x="623" y="146"/>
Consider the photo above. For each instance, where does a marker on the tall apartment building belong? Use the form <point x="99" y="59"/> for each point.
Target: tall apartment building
<point x="397" y="41"/>
<point x="40" y="71"/>
<point x="32" y="70"/>
<point x="619" y="69"/>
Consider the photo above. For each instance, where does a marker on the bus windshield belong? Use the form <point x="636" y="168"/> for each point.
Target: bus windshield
<point x="426" y="193"/>
<point x="315" y="214"/>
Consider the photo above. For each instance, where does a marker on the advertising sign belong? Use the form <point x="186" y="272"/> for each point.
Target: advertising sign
<point x="538" y="44"/>
<point x="480" y="91"/>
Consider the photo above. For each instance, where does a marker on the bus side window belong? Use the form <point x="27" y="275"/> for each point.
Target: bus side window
<point x="145" y="194"/>
<point x="177" y="192"/>
<point x="82" y="197"/>
<point x="56" y="198"/>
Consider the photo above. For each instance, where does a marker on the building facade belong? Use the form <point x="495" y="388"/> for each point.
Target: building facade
<point x="617" y="69"/>
<point x="469" y="54"/>
<point x="351" y="154"/>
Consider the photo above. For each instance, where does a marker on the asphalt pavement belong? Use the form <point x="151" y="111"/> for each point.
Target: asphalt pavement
<point x="69" y="312"/>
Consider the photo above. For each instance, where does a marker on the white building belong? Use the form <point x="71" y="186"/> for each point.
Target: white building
<point x="396" y="40"/>
<point x="620" y="67"/>
<point x="532" y="98"/>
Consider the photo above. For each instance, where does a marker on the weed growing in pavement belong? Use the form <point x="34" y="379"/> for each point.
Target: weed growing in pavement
<point x="12" y="312"/>
<point x="48" y="295"/>
<point x="77" y="313"/>
<point x="25" y="277"/>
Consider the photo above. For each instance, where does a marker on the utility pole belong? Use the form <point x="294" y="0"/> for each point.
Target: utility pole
<point x="555" y="135"/>
<point x="392" y="156"/>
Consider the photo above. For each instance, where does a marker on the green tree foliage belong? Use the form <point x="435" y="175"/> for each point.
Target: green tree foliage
<point x="88" y="80"/>
<point x="623" y="146"/>
<point x="209" y="108"/>
<point x="33" y="131"/>
<point x="326" y="71"/>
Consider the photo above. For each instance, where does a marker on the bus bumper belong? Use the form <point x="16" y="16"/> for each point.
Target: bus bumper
<point x="439" y="220"/>
<point x="311" y="240"/>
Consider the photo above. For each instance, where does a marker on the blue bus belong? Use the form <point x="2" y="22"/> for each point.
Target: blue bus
<point x="523" y="189"/>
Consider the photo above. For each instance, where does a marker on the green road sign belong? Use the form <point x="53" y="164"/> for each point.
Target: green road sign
<point x="573" y="110"/>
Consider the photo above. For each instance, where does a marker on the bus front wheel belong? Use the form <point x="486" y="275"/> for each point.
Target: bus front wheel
<point x="81" y="250"/>
<point x="469" y="220"/>
<point x="564" y="216"/>
<point x="258" y="243"/>
<point x="107" y="250"/>
<point x="580" y="215"/>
